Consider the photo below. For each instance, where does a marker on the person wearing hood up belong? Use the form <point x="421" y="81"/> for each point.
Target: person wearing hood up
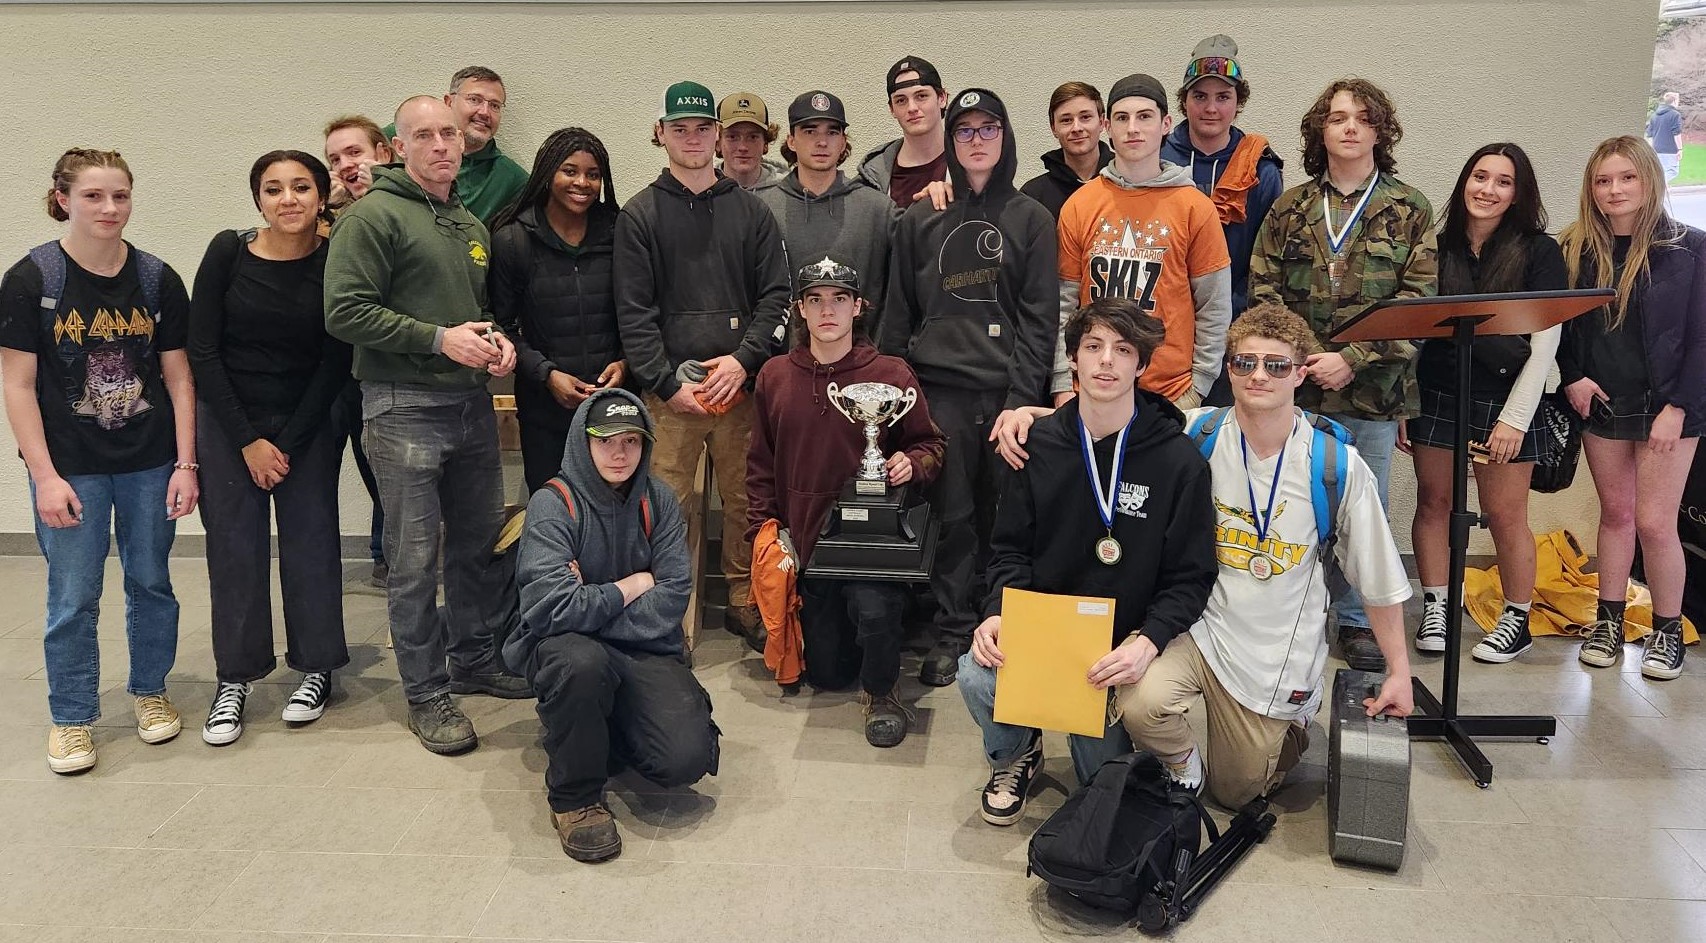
<point x="1233" y="167"/>
<point x="972" y="306"/>
<point x="1129" y="515"/>
<point x="701" y="295"/>
<point x="822" y="212"/>
<point x="604" y="578"/>
<point x="1142" y="230"/>
<point x="803" y="453"/>
<point x="1077" y="119"/>
<point x="905" y="167"/>
<point x="551" y="276"/>
<point x="405" y="284"/>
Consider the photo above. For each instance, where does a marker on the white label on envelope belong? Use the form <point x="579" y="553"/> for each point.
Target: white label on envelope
<point x="1092" y="608"/>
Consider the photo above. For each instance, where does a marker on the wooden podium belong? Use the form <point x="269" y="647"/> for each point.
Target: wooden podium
<point x="1461" y="318"/>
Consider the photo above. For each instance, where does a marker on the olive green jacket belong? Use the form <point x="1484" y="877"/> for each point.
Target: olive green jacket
<point x="1391" y="254"/>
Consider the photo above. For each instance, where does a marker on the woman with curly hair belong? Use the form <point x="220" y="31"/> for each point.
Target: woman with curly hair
<point x="1634" y="370"/>
<point x="1351" y="236"/>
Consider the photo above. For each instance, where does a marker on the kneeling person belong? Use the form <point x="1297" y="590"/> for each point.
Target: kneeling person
<point x="1258" y="655"/>
<point x="604" y="584"/>
<point x="803" y="453"/>
<point x="1113" y="501"/>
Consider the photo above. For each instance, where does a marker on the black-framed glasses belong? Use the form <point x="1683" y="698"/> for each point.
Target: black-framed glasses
<point x="988" y="132"/>
<point x="1242" y="365"/>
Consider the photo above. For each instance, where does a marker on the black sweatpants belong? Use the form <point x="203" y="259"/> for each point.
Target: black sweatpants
<point x="964" y="496"/>
<point x="237" y="516"/>
<point x="604" y="708"/>
<point x="852" y="629"/>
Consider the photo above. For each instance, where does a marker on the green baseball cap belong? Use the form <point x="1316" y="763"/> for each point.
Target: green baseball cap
<point x="688" y="100"/>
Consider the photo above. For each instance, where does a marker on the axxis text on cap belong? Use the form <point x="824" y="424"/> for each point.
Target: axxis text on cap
<point x="828" y="273"/>
<point x="1141" y="86"/>
<point x="744" y="107"/>
<point x="927" y="74"/>
<point x="814" y="106"/>
<point x="1214" y="57"/>
<point x="687" y="100"/>
<point x="614" y="415"/>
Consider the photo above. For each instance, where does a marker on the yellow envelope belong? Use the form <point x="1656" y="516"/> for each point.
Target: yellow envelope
<point x="1049" y="643"/>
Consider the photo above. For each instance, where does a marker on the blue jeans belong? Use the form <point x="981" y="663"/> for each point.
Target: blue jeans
<point x="435" y="456"/>
<point x="1003" y="743"/>
<point x="1375" y="440"/>
<point x="133" y="505"/>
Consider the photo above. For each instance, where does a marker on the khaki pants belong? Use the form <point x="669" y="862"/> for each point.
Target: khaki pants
<point x="675" y="460"/>
<point x="1248" y="753"/>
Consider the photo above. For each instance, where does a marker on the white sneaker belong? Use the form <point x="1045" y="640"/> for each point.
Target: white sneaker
<point x="1430" y="635"/>
<point x="1187" y="772"/>
<point x="225" y="718"/>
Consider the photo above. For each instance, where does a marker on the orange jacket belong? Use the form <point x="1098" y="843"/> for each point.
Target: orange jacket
<point x="1564" y="596"/>
<point x="773" y="579"/>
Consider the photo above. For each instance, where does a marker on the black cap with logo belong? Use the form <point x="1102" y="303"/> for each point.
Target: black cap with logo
<point x="927" y="74"/>
<point x="816" y="106"/>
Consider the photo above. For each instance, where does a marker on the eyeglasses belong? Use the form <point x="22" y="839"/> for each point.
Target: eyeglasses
<point x="478" y="101"/>
<point x="1213" y="65"/>
<point x="988" y="132"/>
<point x="450" y="226"/>
<point x="1242" y="365"/>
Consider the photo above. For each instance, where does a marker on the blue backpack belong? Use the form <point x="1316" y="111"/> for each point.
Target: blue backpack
<point x="1328" y="459"/>
<point x="50" y="260"/>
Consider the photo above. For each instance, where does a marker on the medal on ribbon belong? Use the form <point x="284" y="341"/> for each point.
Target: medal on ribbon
<point x="1337" y="237"/>
<point x="1107" y="548"/>
<point x="1261" y="566"/>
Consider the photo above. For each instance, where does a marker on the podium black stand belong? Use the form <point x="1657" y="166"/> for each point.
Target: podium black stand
<point x="1460" y="318"/>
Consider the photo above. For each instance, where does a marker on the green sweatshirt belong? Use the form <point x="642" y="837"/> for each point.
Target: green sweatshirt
<point x="399" y="267"/>
<point x="489" y="181"/>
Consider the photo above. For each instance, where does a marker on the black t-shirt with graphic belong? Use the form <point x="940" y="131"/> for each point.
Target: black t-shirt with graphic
<point x="103" y="399"/>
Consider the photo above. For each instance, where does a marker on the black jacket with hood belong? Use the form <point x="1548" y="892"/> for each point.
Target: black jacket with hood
<point x="698" y="275"/>
<point x="560" y="308"/>
<point x="1047" y="524"/>
<point x="973" y="298"/>
<point x="608" y="537"/>
<point x="1056" y="184"/>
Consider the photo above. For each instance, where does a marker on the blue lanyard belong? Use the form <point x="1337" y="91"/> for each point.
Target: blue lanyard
<point x="1105" y="498"/>
<point x="1265" y="521"/>
<point x="1336" y="239"/>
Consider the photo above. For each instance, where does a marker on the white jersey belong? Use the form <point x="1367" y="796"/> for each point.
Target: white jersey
<point x="1264" y="631"/>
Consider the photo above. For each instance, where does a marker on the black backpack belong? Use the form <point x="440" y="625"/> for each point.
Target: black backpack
<point x="1125" y="840"/>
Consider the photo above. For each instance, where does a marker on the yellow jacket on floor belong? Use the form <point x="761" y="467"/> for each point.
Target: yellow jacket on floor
<point x="1564" y="596"/>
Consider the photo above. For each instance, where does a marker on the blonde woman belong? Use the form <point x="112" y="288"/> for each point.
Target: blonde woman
<point x="1634" y="370"/>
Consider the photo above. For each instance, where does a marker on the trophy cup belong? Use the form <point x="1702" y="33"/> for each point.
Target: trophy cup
<point x="876" y="531"/>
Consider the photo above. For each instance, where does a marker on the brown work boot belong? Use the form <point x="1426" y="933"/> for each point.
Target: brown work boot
<point x="746" y="622"/>
<point x="588" y="834"/>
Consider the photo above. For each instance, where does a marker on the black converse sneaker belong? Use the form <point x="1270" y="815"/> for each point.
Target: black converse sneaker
<point x="1005" y="793"/>
<point x="1603" y="645"/>
<point x="308" y="702"/>
<point x="1430" y="635"/>
<point x="1508" y="639"/>
<point x="1661" y="654"/>
<point x="225" y="718"/>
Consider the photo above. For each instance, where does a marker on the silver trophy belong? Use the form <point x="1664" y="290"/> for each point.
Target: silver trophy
<point x="873" y="404"/>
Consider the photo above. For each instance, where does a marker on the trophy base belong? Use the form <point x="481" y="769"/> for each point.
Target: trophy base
<point x="876" y="537"/>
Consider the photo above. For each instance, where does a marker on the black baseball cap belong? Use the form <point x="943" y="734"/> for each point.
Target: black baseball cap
<point x="927" y="74"/>
<point x="815" y="106"/>
<point x="614" y="415"/>
<point x="1140" y="86"/>
<point x="828" y="273"/>
<point x="976" y="99"/>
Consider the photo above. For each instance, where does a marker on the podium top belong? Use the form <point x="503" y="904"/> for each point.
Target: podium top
<point x="1521" y="312"/>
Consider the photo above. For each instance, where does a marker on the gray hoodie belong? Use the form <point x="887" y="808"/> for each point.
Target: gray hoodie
<point x="1212" y="294"/>
<point x="849" y="223"/>
<point x="607" y="536"/>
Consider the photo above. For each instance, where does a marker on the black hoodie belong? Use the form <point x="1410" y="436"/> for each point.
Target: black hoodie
<point x="1047" y="524"/>
<point x="698" y="275"/>
<point x="973" y="298"/>
<point x="1057" y="182"/>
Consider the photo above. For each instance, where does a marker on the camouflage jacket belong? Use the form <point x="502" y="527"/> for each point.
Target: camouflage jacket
<point x="1391" y="254"/>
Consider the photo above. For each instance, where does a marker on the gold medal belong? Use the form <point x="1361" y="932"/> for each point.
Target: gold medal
<point x="1261" y="567"/>
<point x="1108" y="550"/>
<point x="1336" y="269"/>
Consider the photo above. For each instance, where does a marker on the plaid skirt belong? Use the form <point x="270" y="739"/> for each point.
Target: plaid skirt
<point x="1437" y="425"/>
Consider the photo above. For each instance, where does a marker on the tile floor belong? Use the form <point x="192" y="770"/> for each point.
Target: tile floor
<point x="348" y="831"/>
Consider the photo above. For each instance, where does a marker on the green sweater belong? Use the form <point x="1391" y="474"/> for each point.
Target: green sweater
<point x="398" y="268"/>
<point x="488" y="180"/>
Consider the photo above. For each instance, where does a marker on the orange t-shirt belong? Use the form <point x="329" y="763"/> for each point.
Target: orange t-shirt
<point x="1145" y="243"/>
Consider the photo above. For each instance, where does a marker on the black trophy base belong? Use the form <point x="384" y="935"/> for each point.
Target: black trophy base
<point x="876" y="536"/>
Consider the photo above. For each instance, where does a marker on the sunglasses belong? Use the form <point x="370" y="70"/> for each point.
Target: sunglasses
<point x="1242" y="365"/>
<point x="1213" y="65"/>
<point x="988" y="132"/>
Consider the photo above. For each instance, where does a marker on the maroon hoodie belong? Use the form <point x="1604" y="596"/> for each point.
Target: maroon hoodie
<point x="803" y="449"/>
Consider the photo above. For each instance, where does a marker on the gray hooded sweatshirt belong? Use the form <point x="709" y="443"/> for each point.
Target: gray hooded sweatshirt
<point x="849" y="223"/>
<point x="1212" y="294"/>
<point x="607" y="536"/>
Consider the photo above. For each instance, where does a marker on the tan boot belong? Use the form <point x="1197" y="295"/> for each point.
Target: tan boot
<point x="589" y="833"/>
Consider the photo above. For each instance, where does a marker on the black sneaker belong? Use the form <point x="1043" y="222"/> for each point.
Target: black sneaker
<point x="1361" y="651"/>
<point x="308" y="701"/>
<point x="1661" y="654"/>
<point x="1508" y="639"/>
<point x="885" y="719"/>
<point x="441" y="726"/>
<point x="942" y="664"/>
<point x="1005" y="793"/>
<point x="1430" y="635"/>
<point x="225" y="718"/>
<point x="588" y="834"/>
<point x="1603" y="645"/>
<point x="381" y="575"/>
<point x="492" y="681"/>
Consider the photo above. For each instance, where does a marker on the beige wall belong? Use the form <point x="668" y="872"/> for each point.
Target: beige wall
<point x="192" y="93"/>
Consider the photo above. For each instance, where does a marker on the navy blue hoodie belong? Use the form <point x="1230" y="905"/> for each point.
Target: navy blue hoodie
<point x="1205" y="170"/>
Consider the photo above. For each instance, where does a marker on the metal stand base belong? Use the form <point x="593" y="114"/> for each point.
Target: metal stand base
<point x="1431" y="722"/>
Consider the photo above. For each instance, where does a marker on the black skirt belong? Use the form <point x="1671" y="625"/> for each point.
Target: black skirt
<point x="1437" y="425"/>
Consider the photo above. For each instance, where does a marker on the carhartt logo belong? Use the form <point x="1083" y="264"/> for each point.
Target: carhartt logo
<point x="623" y="409"/>
<point x="820" y="102"/>
<point x="968" y="99"/>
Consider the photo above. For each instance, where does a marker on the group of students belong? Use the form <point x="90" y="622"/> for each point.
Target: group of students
<point x="1098" y="413"/>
